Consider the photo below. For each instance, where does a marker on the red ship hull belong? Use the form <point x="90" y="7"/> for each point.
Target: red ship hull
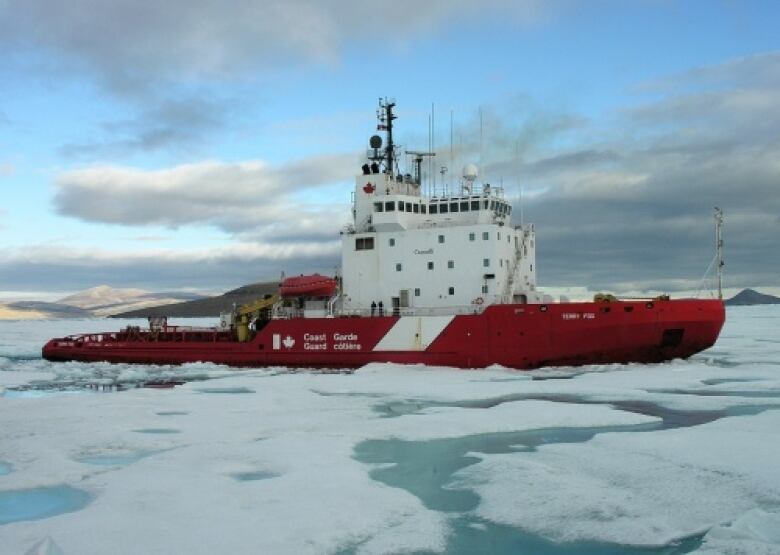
<point x="522" y="336"/>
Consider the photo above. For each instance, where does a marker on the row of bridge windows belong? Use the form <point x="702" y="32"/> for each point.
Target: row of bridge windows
<point x="444" y="207"/>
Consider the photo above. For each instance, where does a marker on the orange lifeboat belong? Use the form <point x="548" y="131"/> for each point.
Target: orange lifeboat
<point x="313" y="285"/>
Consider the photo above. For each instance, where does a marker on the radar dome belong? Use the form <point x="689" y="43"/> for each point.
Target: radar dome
<point x="375" y="141"/>
<point x="470" y="172"/>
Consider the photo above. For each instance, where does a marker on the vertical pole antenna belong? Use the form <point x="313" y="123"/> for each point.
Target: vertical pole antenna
<point x="452" y="156"/>
<point x="433" y="140"/>
<point x="480" y="138"/>
<point x="719" y="249"/>
<point x="431" y="189"/>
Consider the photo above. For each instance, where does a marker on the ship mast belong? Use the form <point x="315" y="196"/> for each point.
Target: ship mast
<point x="386" y="116"/>
<point x="719" y="249"/>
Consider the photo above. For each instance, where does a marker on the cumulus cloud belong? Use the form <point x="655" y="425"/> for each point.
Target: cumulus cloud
<point x="246" y="197"/>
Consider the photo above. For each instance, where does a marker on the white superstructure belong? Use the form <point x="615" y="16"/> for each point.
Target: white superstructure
<point x="439" y="255"/>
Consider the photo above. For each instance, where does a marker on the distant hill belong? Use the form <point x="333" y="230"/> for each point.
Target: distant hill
<point x="97" y="301"/>
<point x="107" y="301"/>
<point x="748" y="297"/>
<point x="52" y="310"/>
<point x="207" y="307"/>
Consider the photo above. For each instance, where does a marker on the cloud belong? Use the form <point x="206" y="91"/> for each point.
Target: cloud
<point x="165" y="60"/>
<point x="637" y="214"/>
<point x="57" y="268"/>
<point x="133" y="46"/>
<point x="159" y="124"/>
<point x="253" y="198"/>
<point x="624" y="207"/>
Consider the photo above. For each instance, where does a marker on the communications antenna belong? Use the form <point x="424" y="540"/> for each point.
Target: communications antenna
<point x="719" y="249"/>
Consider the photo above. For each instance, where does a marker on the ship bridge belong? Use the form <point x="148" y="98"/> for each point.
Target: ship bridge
<point x="447" y="253"/>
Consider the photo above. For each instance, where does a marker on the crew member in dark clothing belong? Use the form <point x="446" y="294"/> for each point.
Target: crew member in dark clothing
<point x="381" y="309"/>
<point x="373" y="307"/>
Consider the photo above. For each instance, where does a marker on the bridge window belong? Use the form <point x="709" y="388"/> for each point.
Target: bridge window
<point x="408" y="206"/>
<point x="422" y="208"/>
<point x="378" y="206"/>
<point x="400" y="206"/>
<point x="453" y="207"/>
<point x="390" y="206"/>
<point x="364" y="244"/>
<point x="443" y="209"/>
<point x="441" y="238"/>
<point x="450" y="264"/>
<point x="416" y="208"/>
<point x="434" y="209"/>
<point x="474" y="205"/>
<point x="492" y="205"/>
<point x="391" y="242"/>
<point x="485" y="236"/>
<point x="485" y="204"/>
<point x="464" y="206"/>
<point x="451" y="290"/>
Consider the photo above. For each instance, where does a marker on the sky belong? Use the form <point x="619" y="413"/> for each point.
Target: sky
<point x="198" y="145"/>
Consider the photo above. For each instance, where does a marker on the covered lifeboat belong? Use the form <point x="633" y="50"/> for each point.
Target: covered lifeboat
<point x="313" y="285"/>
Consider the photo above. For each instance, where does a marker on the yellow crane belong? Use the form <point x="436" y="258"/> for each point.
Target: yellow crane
<point x="261" y="307"/>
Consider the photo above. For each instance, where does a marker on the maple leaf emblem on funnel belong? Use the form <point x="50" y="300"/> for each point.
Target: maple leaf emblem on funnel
<point x="288" y="342"/>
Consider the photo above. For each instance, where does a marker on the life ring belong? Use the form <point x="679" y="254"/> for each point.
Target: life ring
<point x="223" y="323"/>
<point x="479" y="300"/>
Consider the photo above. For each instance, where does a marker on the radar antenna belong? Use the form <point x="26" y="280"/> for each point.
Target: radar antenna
<point x="418" y="160"/>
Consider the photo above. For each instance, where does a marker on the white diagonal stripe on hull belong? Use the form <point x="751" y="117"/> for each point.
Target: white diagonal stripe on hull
<point x="413" y="333"/>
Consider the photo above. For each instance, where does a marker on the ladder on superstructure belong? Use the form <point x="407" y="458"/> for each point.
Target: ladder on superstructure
<point x="507" y="296"/>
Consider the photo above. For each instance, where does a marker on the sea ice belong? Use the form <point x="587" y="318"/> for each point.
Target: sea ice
<point x="642" y="489"/>
<point x="285" y="466"/>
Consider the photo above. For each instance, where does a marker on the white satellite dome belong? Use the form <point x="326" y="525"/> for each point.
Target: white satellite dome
<point x="470" y="172"/>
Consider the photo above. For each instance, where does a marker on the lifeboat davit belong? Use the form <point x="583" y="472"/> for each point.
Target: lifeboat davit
<point x="313" y="285"/>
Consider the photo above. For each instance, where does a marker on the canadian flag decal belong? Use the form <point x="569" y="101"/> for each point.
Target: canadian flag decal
<point x="369" y="188"/>
<point x="288" y="342"/>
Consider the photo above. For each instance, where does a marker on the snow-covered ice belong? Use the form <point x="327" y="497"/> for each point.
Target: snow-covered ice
<point x="671" y="458"/>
